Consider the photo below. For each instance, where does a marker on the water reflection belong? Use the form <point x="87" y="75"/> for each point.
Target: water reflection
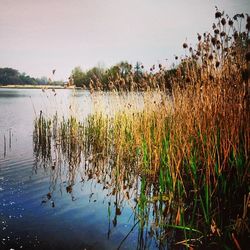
<point x="54" y="191"/>
<point x="78" y="158"/>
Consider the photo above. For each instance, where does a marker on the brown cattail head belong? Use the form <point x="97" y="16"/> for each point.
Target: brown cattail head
<point x="248" y="19"/>
<point x="213" y="40"/>
<point x="245" y="75"/>
<point x="235" y="35"/>
<point x="216" y="31"/>
<point x="176" y="57"/>
<point x="248" y="26"/>
<point x="211" y="78"/>
<point x="160" y="66"/>
<point x="185" y="45"/>
<point x="188" y="79"/>
<point x="247" y="56"/>
<point x="217" y="64"/>
<point x="210" y="57"/>
<point x="223" y="33"/>
<point x="218" y="14"/>
<point x="223" y="21"/>
<point x="230" y="22"/>
<point x="199" y="37"/>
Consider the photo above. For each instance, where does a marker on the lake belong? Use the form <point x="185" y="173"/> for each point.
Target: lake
<point x="46" y="208"/>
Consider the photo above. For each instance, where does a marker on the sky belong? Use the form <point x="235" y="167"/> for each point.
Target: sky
<point x="37" y="36"/>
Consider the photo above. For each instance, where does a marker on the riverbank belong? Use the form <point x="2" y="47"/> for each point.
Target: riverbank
<point x="35" y="87"/>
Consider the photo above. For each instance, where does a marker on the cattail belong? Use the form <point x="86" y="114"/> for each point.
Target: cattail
<point x="211" y="78"/>
<point x="244" y="35"/>
<point x="235" y="35"/>
<point x="248" y="19"/>
<point x="230" y="22"/>
<point x="198" y="53"/>
<point x="199" y="37"/>
<point x="176" y="57"/>
<point x="248" y="26"/>
<point x="245" y="75"/>
<point x="142" y="66"/>
<point x="213" y="40"/>
<point x="217" y="64"/>
<point x="185" y="45"/>
<point x="210" y="57"/>
<point x="223" y="21"/>
<point x="223" y="33"/>
<point x="247" y="56"/>
<point x="160" y="66"/>
<point x="216" y="31"/>
<point x="218" y="14"/>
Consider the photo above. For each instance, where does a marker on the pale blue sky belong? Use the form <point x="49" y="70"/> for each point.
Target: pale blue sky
<point x="37" y="36"/>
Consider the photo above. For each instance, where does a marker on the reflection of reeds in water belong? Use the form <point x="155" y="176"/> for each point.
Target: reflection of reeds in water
<point x="186" y="163"/>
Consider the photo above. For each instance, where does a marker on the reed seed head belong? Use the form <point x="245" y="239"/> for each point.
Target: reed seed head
<point x="223" y="33"/>
<point x="235" y="35"/>
<point x="213" y="40"/>
<point x="248" y="26"/>
<point x="216" y="31"/>
<point x="185" y="45"/>
<point x="247" y="56"/>
<point x="210" y="57"/>
<point x="223" y="21"/>
<point x="218" y="14"/>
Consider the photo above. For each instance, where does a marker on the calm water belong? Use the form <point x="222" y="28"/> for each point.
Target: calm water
<point x="39" y="209"/>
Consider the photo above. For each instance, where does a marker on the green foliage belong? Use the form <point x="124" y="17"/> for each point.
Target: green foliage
<point x="14" y="77"/>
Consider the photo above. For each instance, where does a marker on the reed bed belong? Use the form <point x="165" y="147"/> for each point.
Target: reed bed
<point x="184" y="159"/>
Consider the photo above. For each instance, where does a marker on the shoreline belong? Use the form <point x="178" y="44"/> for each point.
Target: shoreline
<point x="36" y="87"/>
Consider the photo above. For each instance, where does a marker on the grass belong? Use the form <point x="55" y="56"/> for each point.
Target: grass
<point x="185" y="160"/>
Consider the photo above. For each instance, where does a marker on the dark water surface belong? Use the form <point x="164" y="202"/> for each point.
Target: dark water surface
<point x="38" y="208"/>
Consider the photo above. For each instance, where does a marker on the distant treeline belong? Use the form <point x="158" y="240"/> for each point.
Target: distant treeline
<point x="9" y="76"/>
<point x="123" y="77"/>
